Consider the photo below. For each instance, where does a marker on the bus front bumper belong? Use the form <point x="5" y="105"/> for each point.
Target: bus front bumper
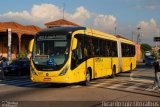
<point x="57" y="79"/>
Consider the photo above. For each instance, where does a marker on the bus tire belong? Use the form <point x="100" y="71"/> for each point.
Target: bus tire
<point x="88" y="78"/>
<point x="130" y="68"/>
<point x="113" y="72"/>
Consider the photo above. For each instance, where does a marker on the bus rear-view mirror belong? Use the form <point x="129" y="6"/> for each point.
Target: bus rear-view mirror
<point x="30" y="48"/>
<point x="74" y="45"/>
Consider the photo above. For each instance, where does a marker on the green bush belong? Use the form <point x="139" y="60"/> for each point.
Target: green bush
<point x="22" y="55"/>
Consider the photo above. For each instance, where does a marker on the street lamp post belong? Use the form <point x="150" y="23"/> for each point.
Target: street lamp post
<point x="138" y="36"/>
<point x="9" y="43"/>
<point x="115" y="30"/>
<point x="132" y="36"/>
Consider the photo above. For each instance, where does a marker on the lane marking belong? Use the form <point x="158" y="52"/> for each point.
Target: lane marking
<point x="143" y="80"/>
<point x="116" y="85"/>
<point x="100" y="84"/>
<point x="135" y="86"/>
<point x="77" y="86"/>
<point x="149" y="89"/>
<point x="2" y="84"/>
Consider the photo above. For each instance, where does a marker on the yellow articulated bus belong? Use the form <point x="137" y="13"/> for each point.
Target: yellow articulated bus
<point x="78" y="54"/>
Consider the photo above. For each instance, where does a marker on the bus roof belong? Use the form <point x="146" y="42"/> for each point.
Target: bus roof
<point x="125" y="40"/>
<point x="62" y="29"/>
<point x="101" y="34"/>
<point x="66" y="29"/>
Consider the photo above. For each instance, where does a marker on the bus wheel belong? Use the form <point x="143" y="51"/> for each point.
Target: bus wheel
<point x="88" y="78"/>
<point x="113" y="72"/>
<point x="130" y="68"/>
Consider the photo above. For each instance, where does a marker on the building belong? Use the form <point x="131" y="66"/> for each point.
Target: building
<point x="59" y="23"/>
<point x="20" y="37"/>
<point x="156" y="50"/>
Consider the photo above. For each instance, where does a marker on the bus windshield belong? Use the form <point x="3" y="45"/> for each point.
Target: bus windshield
<point x="51" y="51"/>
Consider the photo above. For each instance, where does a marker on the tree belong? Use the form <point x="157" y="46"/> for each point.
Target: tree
<point x="22" y="55"/>
<point x="145" y="47"/>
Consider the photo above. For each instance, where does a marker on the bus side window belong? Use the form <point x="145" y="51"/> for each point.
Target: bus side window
<point x="133" y="51"/>
<point x="127" y="50"/>
<point x="129" y="53"/>
<point x="104" y="48"/>
<point x="114" y="49"/>
<point x="96" y="47"/>
<point x="107" y="48"/>
<point x="79" y="51"/>
<point x="73" y="59"/>
<point x="90" y="48"/>
<point x="123" y="49"/>
<point x="101" y="47"/>
<point x="85" y="52"/>
<point x="110" y="48"/>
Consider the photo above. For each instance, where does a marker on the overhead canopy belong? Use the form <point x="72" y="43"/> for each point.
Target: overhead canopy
<point x="18" y="28"/>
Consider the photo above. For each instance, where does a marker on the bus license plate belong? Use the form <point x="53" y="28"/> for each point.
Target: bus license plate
<point x="47" y="79"/>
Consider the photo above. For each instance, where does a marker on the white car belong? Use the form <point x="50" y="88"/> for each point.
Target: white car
<point x="147" y="53"/>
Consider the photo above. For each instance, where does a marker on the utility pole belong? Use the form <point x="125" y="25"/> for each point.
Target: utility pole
<point x="132" y="36"/>
<point x="115" y="29"/>
<point x="9" y="43"/>
<point x="63" y="9"/>
<point x="138" y="35"/>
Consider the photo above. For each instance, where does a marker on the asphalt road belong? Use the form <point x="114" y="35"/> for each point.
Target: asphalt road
<point x="126" y="87"/>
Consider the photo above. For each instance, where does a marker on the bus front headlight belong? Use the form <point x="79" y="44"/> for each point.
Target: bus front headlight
<point x="64" y="70"/>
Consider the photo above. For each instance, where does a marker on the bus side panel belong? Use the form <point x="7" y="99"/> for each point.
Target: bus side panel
<point x="98" y="66"/>
<point x="107" y="69"/>
<point x="102" y="66"/>
<point x="126" y="63"/>
<point x="133" y="61"/>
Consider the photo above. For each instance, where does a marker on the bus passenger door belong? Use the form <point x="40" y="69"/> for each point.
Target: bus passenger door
<point x="79" y="68"/>
<point x="78" y="63"/>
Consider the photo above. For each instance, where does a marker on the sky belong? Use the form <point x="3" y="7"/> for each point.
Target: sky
<point x="104" y="15"/>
